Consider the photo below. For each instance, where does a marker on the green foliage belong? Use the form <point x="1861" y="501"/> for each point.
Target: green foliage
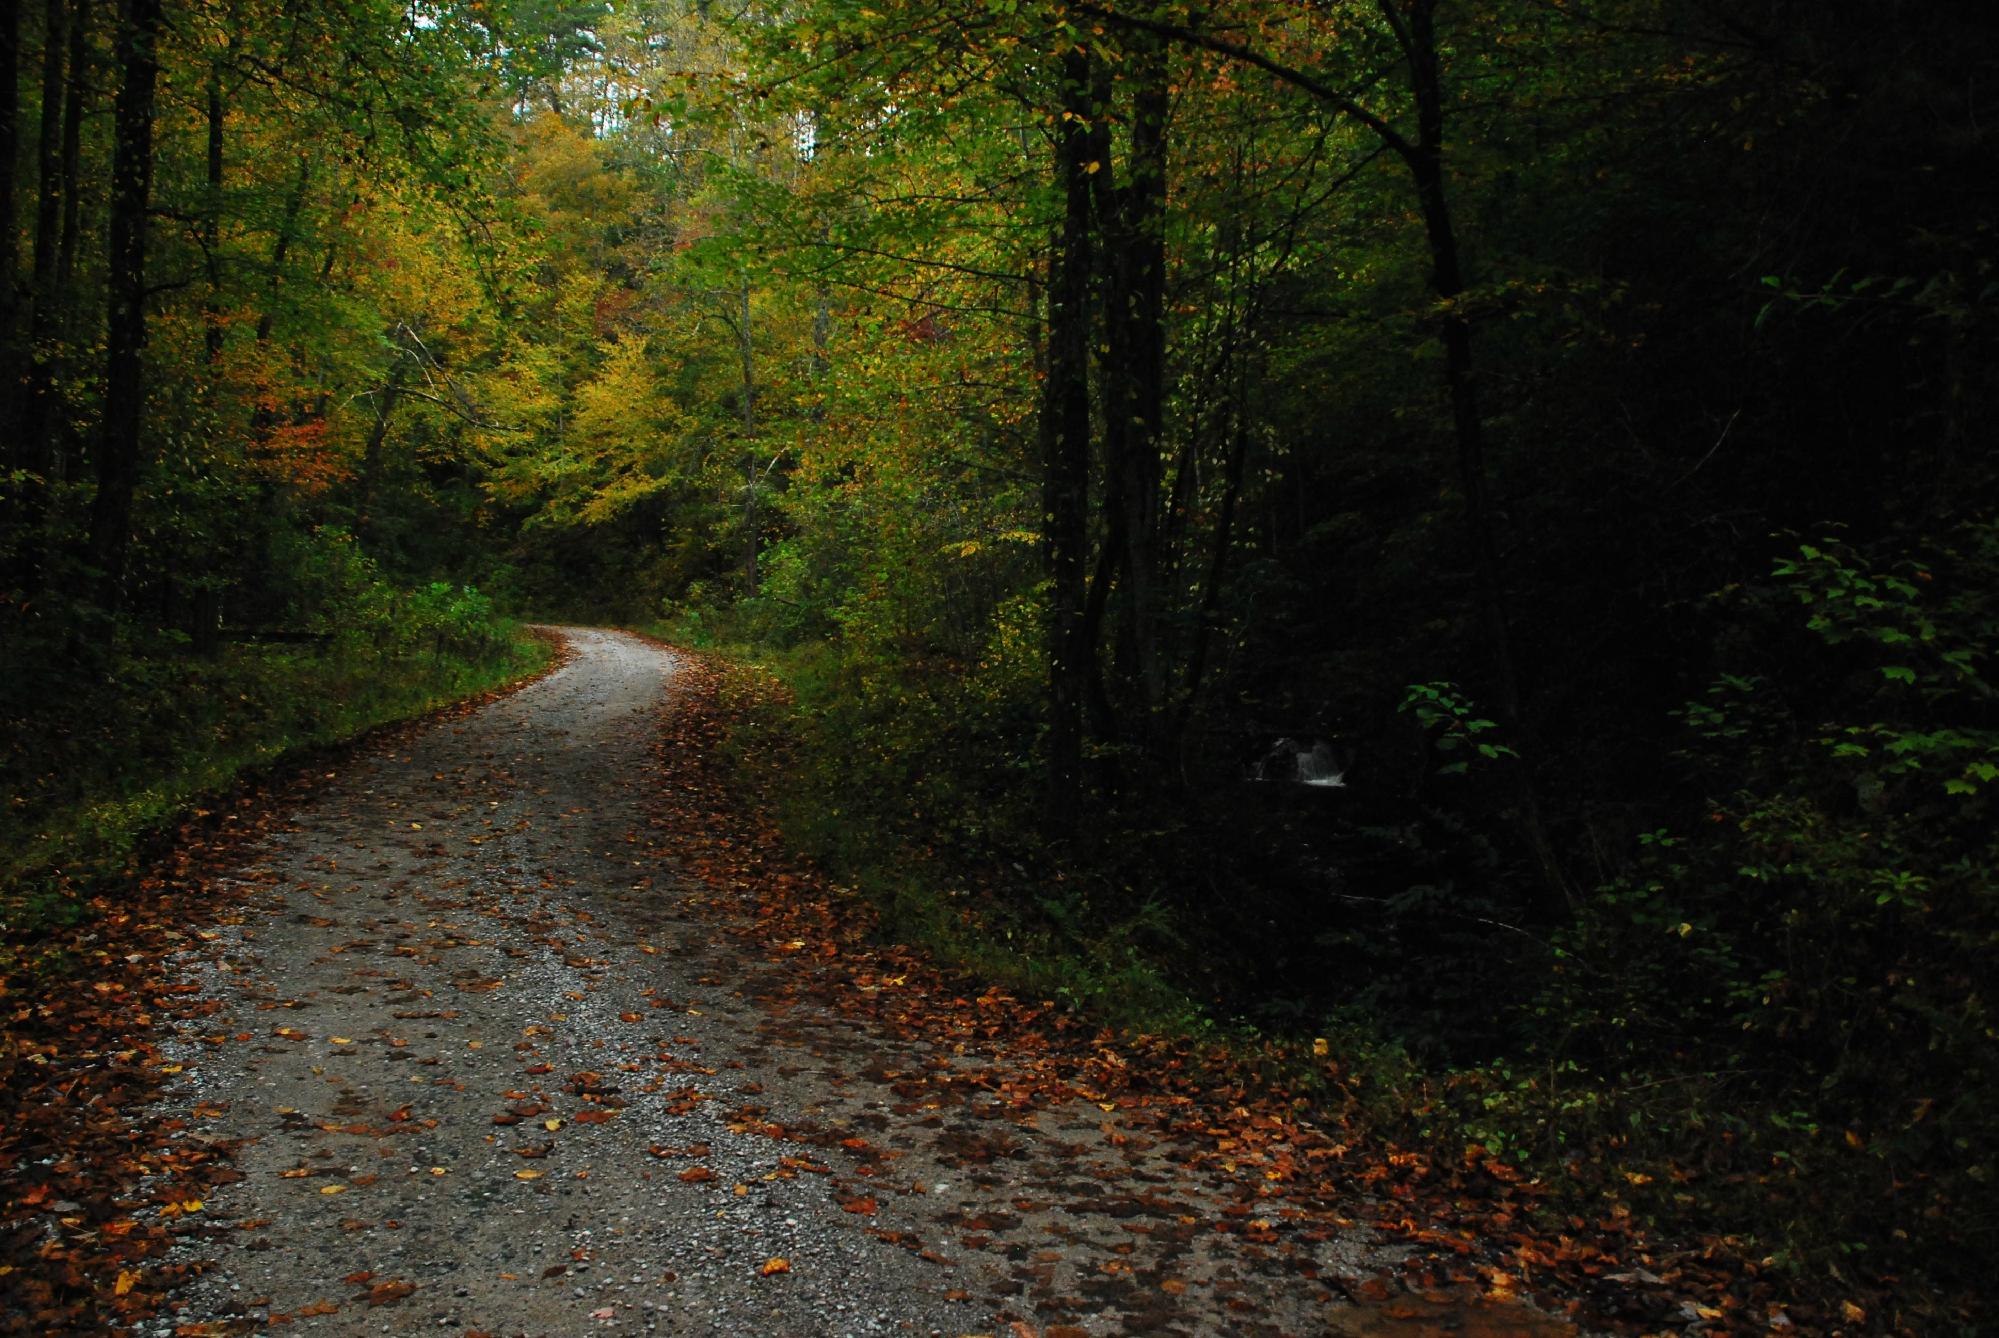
<point x="937" y="852"/>
<point x="1453" y="726"/>
<point x="1794" y="994"/>
<point x="93" y="769"/>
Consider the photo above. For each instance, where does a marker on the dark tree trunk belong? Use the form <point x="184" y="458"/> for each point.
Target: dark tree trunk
<point x="124" y="373"/>
<point x="1065" y="446"/>
<point x="1415" y="26"/>
<point x="72" y="147"/>
<point x="746" y="350"/>
<point x="287" y="227"/>
<point x="1134" y="403"/>
<point x="371" y="453"/>
<point x="48" y="166"/>
<point x="211" y="221"/>
<point x="1218" y="556"/>
<point x="32" y="401"/>
<point x="10" y="279"/>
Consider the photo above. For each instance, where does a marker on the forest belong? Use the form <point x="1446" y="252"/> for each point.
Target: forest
<point x="1442" y="545"/>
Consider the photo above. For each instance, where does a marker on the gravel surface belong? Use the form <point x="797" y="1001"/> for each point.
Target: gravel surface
<point x="488" y="1066"/>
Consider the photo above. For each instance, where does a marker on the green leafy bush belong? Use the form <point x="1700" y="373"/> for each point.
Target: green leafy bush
<point x="1792" y="997"/>
<point x="94" y="764"/>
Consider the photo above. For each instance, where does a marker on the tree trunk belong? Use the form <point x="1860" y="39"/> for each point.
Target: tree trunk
<point x="1065" y="446"/>
<point x="1134" y="406"/>
<point x="211" y="220"/>
<point x="371" y="453"/>
<point x="48" y="164"/>
<point x="72" y="147"/>
<point x="10" y="279"/>
<point x="1218" y="556"/>
<point x="32" y="399"/>
<point x="294" y="206"/>
<point x="1417" y="31"/>
<point x="746" y="348"/>
<point x="124" y="375"/>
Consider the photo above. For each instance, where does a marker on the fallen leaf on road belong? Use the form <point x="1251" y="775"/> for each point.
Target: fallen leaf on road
<point x="694" y="1175"/>
<point x="527" y="1175"/>
<point x="776" y="1266"/>
<point x="388" y="1293"/>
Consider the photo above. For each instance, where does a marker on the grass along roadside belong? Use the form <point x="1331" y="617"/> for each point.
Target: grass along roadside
<point x="91" y="773"/>
<point x="978" y="909"/>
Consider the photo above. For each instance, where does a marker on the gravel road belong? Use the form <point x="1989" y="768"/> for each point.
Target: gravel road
<point x="488" y="1066"/>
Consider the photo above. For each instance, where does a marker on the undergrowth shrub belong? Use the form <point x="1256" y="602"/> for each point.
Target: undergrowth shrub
<point x="108" y="740"/>
<point x="1788" y="1000"/>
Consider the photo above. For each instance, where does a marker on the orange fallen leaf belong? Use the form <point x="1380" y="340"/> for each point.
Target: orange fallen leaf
<point x="863" y="1205"/>
<point x="776" y="1266"/>
<point x="694" y="1175"/>
<point x="527" y="1175"/>
<point x="388" y="1293"/>
<point x="317" y="1308"/>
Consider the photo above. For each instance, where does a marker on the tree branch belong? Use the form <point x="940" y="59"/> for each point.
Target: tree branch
<point x="1318" y="88"/>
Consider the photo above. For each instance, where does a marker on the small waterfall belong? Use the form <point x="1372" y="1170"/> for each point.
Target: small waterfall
<point x="1315" y="763"/>
<point x="1318" y="765"/>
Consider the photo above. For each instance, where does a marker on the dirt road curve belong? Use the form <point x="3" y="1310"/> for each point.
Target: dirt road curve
<point x="490" y="1067"/>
